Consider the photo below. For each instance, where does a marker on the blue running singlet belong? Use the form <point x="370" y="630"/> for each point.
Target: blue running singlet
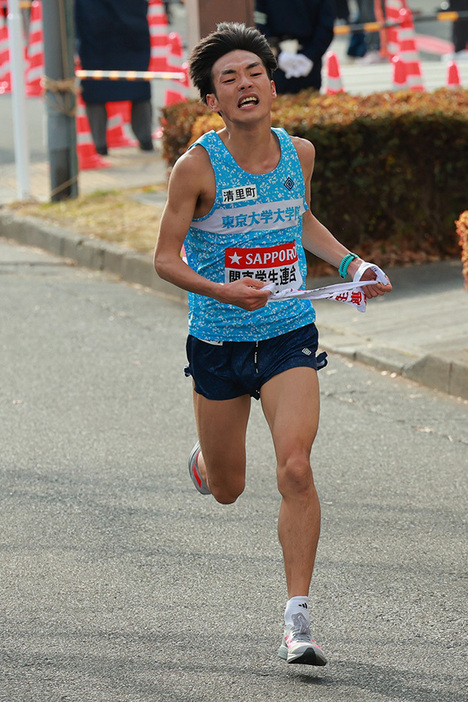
<point x="253" y="229"/>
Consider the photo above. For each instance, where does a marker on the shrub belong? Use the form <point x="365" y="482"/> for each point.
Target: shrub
<point x="390" y="173"/>
<point x="177" y="122"/>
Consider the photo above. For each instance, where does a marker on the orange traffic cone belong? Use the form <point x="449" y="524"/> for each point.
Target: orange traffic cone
<point x="334" y="82"/>
<point x="178" y="90"/>
<point x="159" y="34"/>
<point x="88" y="157"/>
<point x="35" y="69"/>
<point x="392" y="14"/>
<point x="5" y="66"/>
<point x="453" y="75"/>
<point x="174" y="96"/>
<point x="409" y="52"/>
<point x="400" y="81"/>
<point x="118" y="114"/>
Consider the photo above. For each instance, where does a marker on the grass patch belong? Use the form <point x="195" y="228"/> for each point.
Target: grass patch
<point x="131" y="217"/>
<point x="128" y="217"/>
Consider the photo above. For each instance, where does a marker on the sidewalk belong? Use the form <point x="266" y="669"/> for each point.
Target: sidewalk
<point x="129" y="167"/>
<point x="419" y="331"/>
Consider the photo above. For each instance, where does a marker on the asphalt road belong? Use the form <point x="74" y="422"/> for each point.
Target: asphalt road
<point x="119" y="583"/>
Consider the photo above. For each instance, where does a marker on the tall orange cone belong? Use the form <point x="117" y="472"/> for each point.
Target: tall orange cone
<point x="118" y="114"/>
<point x="177" y="90"/>
<point x="88" y="157"/>
<point x="392" y="14"/>
<point x="35" y="69"/>
<point x="409" y="52"/>
<point x="333" y="82"/>
<point x="5" y="66"/>
<point x="453" y="75"/>
<point x="180" y="93"/>
<point x="400" y="81"/>
<point x="159" y="34"/>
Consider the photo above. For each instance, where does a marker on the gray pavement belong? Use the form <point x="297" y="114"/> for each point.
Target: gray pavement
<point x="119" y="583"/>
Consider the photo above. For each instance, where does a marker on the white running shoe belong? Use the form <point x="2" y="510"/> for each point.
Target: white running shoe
<point x="298" y="645"/>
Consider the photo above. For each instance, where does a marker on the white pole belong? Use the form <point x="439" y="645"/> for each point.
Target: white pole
<point x="15" y="31"/>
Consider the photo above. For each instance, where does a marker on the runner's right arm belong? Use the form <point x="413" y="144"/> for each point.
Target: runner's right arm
<point x="191" y="187"/>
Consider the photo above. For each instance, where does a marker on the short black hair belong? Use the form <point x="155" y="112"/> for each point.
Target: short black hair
<point x="228" y="36"/>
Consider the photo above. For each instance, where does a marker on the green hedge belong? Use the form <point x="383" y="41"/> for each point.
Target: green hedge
<point x="390" y="167"/>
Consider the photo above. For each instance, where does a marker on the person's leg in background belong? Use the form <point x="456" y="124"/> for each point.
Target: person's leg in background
<point x="342" y="11"/>
<point x="459" y="26"/>
<point x="97" y="118"/>
<point x="142" y="122"/>
<point x="357" y="43"/>
<point x="366" y="10"/>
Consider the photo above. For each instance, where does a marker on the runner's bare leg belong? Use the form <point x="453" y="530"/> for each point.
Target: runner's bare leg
<point x="222" y="427"/>
<point x="291" y="405"/>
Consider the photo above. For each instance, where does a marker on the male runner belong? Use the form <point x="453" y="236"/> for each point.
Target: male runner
<point x="239" y="200"/>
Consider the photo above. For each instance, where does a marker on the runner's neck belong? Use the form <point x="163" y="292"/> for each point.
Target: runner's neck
<point x="257" y="152"/>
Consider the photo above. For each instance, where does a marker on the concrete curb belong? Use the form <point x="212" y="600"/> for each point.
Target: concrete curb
<point x="448" y="374"/>
<point x="96" y="254"/>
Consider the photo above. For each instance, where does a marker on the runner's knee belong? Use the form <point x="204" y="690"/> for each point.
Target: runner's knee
<point x="226" y="478"/>
<point x="295" y="476"/>
<point x="227" y="494"/>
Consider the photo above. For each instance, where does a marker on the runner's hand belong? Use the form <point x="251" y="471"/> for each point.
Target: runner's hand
<point x="375" y="290"/>
<point x="246" y="293"/>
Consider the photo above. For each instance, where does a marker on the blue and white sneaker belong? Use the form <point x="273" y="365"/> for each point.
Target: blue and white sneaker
<point x="197" y="480"/>
<point x="298" y="645"/>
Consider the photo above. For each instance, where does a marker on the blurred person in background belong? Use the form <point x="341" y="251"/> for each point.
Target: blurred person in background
<point x="168" y="8"/>
<point x="342" y="11"/>
<point x="460" y="28"/>
<point x="299" y="33"/>
<point x="114" y="35"/>
<point x="366" y="45"/>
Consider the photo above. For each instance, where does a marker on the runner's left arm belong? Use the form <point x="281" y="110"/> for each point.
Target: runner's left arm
<point x="316" y="238"/>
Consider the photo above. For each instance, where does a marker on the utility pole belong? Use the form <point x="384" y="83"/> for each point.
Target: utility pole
<point x="204" y="15"/>
<point x="60" y="98"/>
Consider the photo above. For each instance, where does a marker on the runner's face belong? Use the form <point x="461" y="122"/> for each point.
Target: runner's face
<point x="242" y="87"/>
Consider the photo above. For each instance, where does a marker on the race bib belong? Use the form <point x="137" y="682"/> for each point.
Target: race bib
<point x="278" y="265"/>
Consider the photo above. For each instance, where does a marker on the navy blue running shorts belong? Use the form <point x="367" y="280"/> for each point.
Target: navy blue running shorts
<point x="228" y="369"/>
